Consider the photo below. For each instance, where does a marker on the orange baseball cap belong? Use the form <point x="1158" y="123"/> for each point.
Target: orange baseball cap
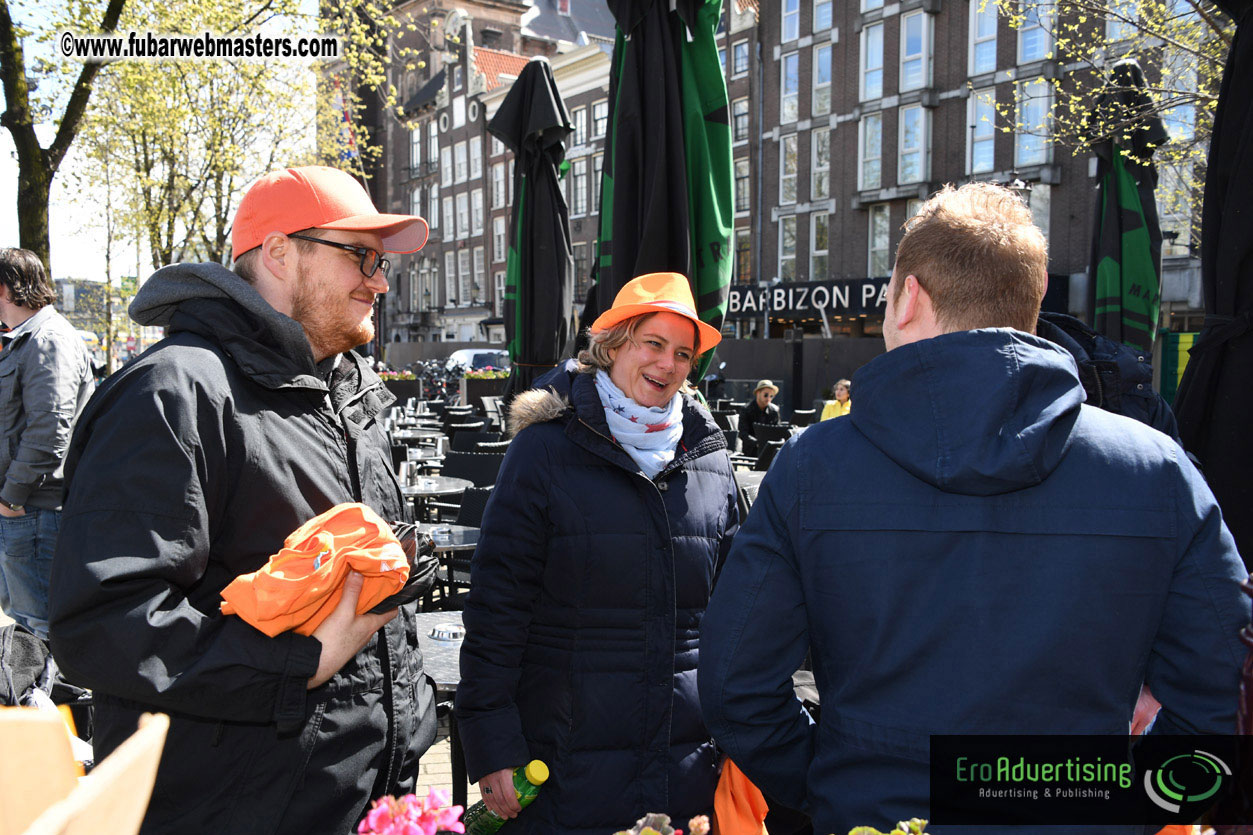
<point x="657" y="293"/>
<point x="315" y="196"/>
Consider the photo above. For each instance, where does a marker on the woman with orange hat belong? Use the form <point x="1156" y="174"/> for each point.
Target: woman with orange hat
<point x="614" y="508"/>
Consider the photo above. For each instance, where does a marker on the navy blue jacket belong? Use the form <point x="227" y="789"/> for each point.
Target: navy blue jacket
<point x="584" y="616"/>
<point x="1010" y="561"/>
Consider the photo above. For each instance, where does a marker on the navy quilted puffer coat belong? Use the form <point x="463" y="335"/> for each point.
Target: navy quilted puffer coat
<point x="583" y="618"/>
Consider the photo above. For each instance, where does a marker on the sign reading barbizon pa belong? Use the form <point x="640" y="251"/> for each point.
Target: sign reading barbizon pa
<point x="807" y="298"/>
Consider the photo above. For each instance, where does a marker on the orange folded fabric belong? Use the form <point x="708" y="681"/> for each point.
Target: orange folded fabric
<point x="301" y="584"/>
<point x="739" y="807"/>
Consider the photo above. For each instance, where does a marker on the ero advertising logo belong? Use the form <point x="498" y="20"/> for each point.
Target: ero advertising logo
<point x="1186" y="779"/>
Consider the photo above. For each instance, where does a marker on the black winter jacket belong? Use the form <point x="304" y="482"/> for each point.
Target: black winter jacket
<point x="188" y="468"/>
<point x="583" y="619"/>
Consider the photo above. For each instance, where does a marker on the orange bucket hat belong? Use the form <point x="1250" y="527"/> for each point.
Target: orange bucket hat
<point x="315" y="196"/>
<point x="657" y="293"/>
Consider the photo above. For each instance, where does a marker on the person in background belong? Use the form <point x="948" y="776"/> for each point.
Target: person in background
<point x="190" y="468"/>
<point x="45" y="381"/>
<point x="760" y="410"/>
<point x="841" y="405"/>
<point x="1012" y="560"/>
<point x="614" y="509"/>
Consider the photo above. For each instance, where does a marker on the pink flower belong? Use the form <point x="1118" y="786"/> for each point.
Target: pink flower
<point x="411" y="815"/>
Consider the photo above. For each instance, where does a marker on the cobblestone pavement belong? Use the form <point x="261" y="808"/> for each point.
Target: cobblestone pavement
<point x="436" y="767"/>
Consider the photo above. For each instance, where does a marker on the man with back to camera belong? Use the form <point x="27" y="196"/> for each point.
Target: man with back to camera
<point x="1009" y="561"/>
<point x="45" y="381"/>
<point x="189" y="469"/>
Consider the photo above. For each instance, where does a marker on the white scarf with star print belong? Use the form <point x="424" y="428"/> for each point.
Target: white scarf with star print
<point x="649" y="434"/>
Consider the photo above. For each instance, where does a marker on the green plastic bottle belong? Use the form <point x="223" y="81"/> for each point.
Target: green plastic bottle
<point x="479" y="820"/>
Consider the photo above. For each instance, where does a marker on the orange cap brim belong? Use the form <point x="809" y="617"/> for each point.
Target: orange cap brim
<point x="401" y="234"/>
<point x="709" y="335"/>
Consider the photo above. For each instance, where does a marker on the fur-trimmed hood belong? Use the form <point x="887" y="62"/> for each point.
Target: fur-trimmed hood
<point x="535" y="406"/>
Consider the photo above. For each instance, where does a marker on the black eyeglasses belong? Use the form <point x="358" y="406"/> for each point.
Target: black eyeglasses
<point x="371" y="259"/>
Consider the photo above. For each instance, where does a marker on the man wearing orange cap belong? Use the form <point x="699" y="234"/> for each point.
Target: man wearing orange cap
<point x="189" y="469"/>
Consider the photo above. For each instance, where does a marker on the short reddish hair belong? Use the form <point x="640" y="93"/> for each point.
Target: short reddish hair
<point x="979" y="255"/>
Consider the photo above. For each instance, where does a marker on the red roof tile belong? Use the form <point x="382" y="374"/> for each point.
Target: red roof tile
<point x="493" y="64"/>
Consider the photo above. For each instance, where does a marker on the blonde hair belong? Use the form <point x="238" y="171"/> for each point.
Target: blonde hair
<point x="979" y="255"/>
<point x="596" y="357"/>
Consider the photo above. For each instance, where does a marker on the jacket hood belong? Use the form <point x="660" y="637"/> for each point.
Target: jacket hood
<point x="975" y="412"/>
<point x="211" y="301"/>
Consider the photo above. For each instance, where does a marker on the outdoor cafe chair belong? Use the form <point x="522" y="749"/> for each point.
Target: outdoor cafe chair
<point x="772" y="432"/>
<point x="804" y="417"/>
<point x="491" y="446"/>
<point x="764" y="458"/>
<point x="466" y="441"/>
<point x="479" y="467"/>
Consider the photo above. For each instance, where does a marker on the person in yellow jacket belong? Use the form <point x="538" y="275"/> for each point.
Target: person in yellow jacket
<point x="841" y="405"/>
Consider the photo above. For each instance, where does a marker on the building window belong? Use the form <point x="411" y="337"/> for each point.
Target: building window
<point x="912" y="156"/>
<point x="480" y="274"/>
<point x="433" y="200"/>
<point x="497" y="146"/>
<point x="868" y="5"/>
<point x="450" y="218"/>
<point x="871" y="146"/>
<point x="872" y="62"/>
<point x="789" y="87"/>
<point x="600" y="118"/>
<point x="739" y="59"/>
<point x="498" y="238"/>
<point x="476" y="157"/>
<point x="412" y="275"/>
<point x="415" y="151"/>
<point x="981" y="153"/>
<point x="787" y="248"/>
<point x="580" y="270"/>
<point x="982" y="36"/>
<point x="598" y="167"/>
<point x="432" y="141"/>
<point x="1122" y="21"/>
<point x="463" y="215"/>
<point x="415" y="202"/>
<point x="578" y="183"/>
<point x="822" y="80"/>
<point x="880" y="261"/>
<point x="424" y="286"/>
<point x="822" y="15"/>
<point x="1033" y="36"/>
<point x="450" y="277"/>
<point x="498" y="185"/>
<point x="743" y="256"/>
<point x="912" y="207"/>
<point x="1041" y="204"/>
<point x="445" y="167"/>
<point x="499" y="301"/>
<point x="460" y="169"/>
<point x="476" y="211"/>
<point x="741" y="185"/>
<point x="818" y="246"/>
<point x="788" y="164"/>
<point x="457" y="77"/>
<point x="915" y="51"/>
<point x="739" y="119"/>
<point x="579" y="117"/>
<point x="463" y="277"/>
<point x="722" y="60"/>
<point x="791" y="20"/>
<point x="820" y="165"/>
<point x="1030" y="142"/>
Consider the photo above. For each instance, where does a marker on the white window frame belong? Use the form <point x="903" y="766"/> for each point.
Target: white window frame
<point x="445" y="166"/>
<point x="788" y="178"/>
<point x="579" y="120"/>
<point x="463" y="216"/>
<point x="744" y="236"/>
<point x="415" y="202"/>
<point x="450" y="277"/>
<point x="578" y="185"/>
<point x="477" y="213"/>
<point x="866" y="154"/>
<point x="500" y="239"/>
<point x="497" y="147"/>
<point x="979" y="10"/>
<point x="820" y="164"/>
<point x="868" y="5"/>
<point x="922" y="147"/>
<point x="598" y="171"/>
<point x="981" y="128"/>
<point x="789" y="102"/>
<point x="480" y="275"/>
<point x="873" y="270"/>
<point x="1040" y="20"/>
<point x="784" y="222"/>
<point x="790" y="20"/>
<point x="816" y="274"/>
<point x="476" y="157"/>
<point x="499" y="188"/>
<point x="460" y="165"/>
<point x="465" y="289"/>
<point x="736" y="49"/>
<point x="498" y="302"/>
<point x="722" y="60"/>
<point x="867" y="90"/>
<point x="1026" y="95"/>
<point x="743" y="176"/>
<point x="450" y="217"/>
<point x="432" y="140"/>
<point x="433" y="202"/>
<point x="821" y="103"/>
<point x="734" y="119"/>
<point x="415" y="149"/>
<point x="412" y="275"/>
<point x="923" y="57"/>
<point x="600" y="124"/>
<point x="830" y="4"/>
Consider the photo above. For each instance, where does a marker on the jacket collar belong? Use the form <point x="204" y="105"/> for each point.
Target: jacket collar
<point x="28" y="327"/>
